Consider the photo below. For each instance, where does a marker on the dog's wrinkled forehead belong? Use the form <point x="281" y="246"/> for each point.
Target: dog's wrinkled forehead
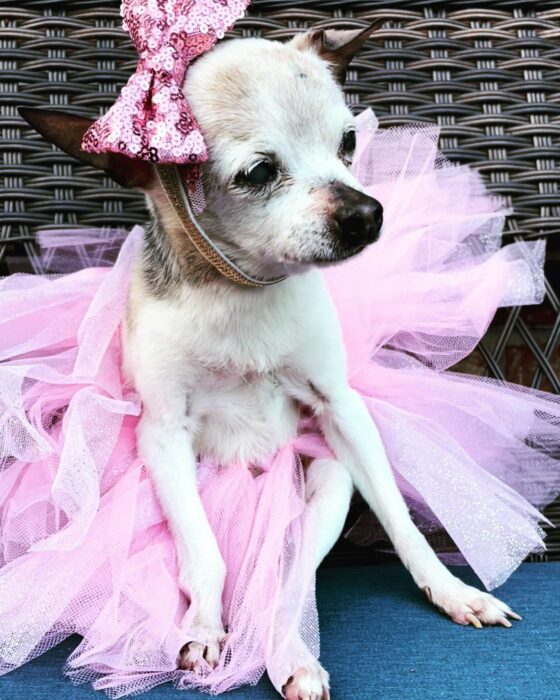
<point x="254" y="95"/>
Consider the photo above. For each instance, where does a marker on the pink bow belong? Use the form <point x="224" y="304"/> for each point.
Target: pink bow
<point x="151" y="118"/>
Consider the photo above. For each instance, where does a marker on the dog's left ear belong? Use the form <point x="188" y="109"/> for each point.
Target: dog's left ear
<point x="336" y="46"/>
<point x="67" y="132"/>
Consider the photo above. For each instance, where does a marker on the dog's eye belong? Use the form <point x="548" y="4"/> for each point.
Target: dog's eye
<point x="261" y="174"/>
<point x="348" y="145"/>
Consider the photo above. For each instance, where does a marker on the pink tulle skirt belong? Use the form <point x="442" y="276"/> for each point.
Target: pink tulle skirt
<point x="84" y="546"/>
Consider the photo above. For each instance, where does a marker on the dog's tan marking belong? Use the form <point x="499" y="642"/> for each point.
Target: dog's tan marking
<point x="195" y="269"/>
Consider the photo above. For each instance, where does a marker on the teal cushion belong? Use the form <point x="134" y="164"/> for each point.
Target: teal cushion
<point x="382" y="640"/>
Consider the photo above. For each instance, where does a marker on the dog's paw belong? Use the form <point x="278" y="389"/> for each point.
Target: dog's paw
<point x="202" y="657"/>
<point x="310" y="682"/>
<point x="466" y="605"/>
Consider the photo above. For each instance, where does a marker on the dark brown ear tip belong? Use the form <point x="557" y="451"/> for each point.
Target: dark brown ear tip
<point x="373" y="26"/>
<point x="34" y="115"/>
<point x="27" y="113"/>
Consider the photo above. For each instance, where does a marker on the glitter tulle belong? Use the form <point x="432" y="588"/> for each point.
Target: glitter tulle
<point x="84" y="546"/>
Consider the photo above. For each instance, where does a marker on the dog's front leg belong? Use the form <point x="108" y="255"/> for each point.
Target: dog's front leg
<point x="165" y="444"/>
<point x="328" y="491"/>
<point x="355" y="440"/>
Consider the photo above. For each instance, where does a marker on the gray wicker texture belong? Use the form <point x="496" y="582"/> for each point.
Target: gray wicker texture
<point x="487" y="73"/>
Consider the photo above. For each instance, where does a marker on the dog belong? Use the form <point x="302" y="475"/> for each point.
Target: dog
<point x="224" y="370"/>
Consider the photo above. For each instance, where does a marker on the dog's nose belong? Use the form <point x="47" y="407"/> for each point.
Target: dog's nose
<point x="361" y="222"/>
<point x="358" y="216"/>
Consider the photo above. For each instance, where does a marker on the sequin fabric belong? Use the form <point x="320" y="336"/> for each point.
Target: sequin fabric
<point x="151" y="118"/>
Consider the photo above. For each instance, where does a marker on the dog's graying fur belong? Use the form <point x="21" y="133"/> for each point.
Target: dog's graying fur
<point x="224" y="370"/>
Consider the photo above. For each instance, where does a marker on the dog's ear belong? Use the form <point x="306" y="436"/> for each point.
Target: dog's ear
<point x="67" y="131"/>
<point x="336" y="46"/>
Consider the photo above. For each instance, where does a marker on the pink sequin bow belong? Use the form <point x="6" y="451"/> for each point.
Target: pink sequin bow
<point x="151" y="118"/>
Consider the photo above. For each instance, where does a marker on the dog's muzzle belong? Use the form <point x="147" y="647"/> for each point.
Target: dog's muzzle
<point x="357" y="218"/>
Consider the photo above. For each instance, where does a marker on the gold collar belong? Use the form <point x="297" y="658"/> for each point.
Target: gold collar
<point x="170" y="178"/>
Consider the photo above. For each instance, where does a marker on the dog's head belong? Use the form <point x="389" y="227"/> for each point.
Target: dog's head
<point x="279" y="194"/>
<point x="280" y="139"/>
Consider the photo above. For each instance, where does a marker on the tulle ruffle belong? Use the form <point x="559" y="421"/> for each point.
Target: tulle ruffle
<point x="84" y="547"/>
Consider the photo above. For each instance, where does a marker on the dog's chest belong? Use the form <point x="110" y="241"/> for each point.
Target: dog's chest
<point x="242" y="408"/>
<point x="241" y="418"/>
<point x="237" y="358"/>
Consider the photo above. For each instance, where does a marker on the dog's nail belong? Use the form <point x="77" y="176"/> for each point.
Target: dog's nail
<point x="428" y="594"/>
<point x="474" y="621"/>
<point x="514" y="615"/>
<point x="504" y="622"/>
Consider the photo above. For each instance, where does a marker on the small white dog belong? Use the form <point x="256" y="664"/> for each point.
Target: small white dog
<point x="223" y="369"/>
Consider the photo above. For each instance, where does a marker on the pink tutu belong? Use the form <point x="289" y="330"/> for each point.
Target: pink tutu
<point x="84" y="546"/>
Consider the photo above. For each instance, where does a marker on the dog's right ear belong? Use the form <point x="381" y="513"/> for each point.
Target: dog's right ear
<point x="67" y="131"/>
<point x="335" y="46"/>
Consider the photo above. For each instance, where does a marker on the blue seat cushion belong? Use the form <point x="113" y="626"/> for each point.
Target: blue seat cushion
<point x="382" y="640"/>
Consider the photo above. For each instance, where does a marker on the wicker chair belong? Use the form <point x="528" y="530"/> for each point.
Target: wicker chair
<point x="487" y="75"/>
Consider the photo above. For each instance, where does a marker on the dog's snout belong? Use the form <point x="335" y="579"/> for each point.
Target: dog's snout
<point x="358" y="217"/>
